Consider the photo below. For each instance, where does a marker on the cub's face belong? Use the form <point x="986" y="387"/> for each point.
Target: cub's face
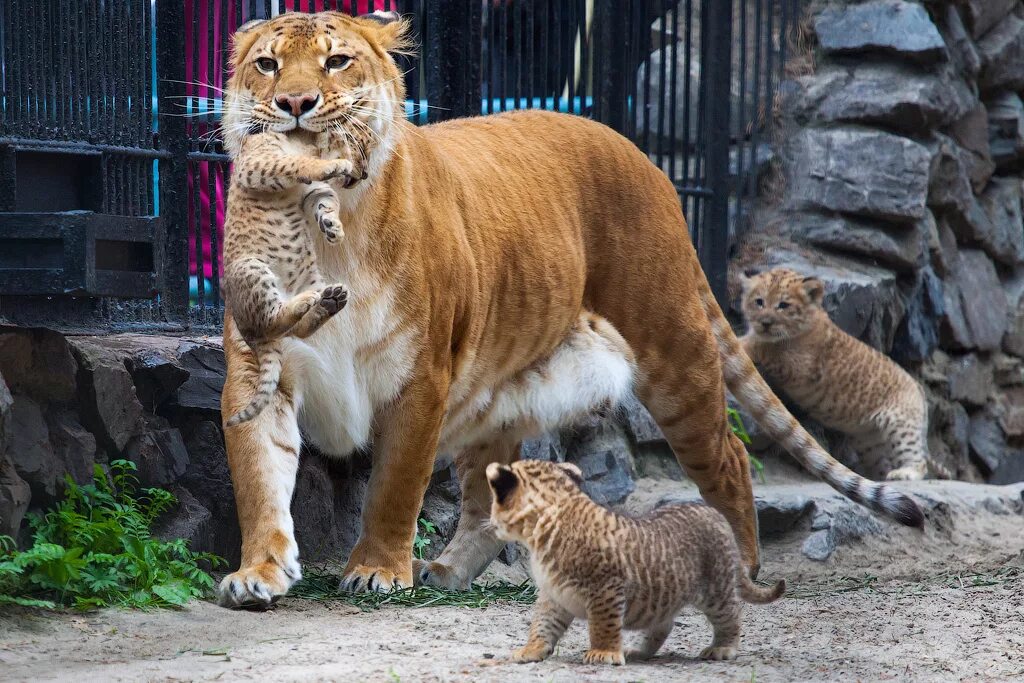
<point x="314" y="72"/>
<point x="522" y="491"/>
<point x="781" y="304"/>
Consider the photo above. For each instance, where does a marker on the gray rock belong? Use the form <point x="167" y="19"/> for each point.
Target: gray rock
<point x="547" y="447"/>
<point x="639" y="423"/>
<point x="899" y="247"/>
<point x="902" y="28"/>
<point x="1013" y="340"/>
<point x="950" y="424"/>
<point x="73" y="446"/>
<point x="39" y="364"/>
<point x="819" y="545"/>
<point x="156" y="376"/>
<point x="208" y="479"/>
<point x="899" y="97"/>
<point x="951" y="192"/>
<point x="1008" y="371"/>
<point x="1010" y="412"/>
<point x="206" y="372"/>
<point x="6" y="402"/>
<point x="1002" y="204"/>
<point x="970" y="380"/>
<point x="982" y="15"/>
<point x="971" y="133"/>
<point x="1010" y="470"/>
<point x="160" y="455"/>
<point x="870" y="173"/>
<point x="602" y="452"/>
<point x="918" y="333"/>
<point x="1002" y="56"/>
<point x="941" y="245"/>
<point x="777" y="515"/>
<point x="317" y="529"/>
<point x="188" y="520"/>
<point x="807" y="93"/>
<point x="15" y="495"/>
<point x="1006" y="129"/>
<point x="962" y="49"/>
<point x="988" y="442"/>
<point x="30" y="450"/>
<point x="985" y="314"/>
<point x="109" y="406"/>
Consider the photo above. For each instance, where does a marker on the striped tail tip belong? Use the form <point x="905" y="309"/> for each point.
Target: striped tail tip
<point x="907" y="512"/>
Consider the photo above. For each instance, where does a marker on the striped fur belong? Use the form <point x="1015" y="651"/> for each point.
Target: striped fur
<point x="619" y="572"/>
<point x="756" y="396"/>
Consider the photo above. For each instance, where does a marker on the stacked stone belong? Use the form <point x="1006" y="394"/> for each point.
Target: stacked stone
<point x="902" y="156"/>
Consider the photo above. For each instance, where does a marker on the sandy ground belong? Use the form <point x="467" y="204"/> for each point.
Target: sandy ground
<point x="920" y="618"/>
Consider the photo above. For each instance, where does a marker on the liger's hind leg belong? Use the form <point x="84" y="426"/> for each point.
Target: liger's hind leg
<point x="474" y="545"/>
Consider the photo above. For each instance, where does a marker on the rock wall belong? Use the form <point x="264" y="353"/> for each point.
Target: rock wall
<point x="70" y="402"/>
<point x="901" y="159"/>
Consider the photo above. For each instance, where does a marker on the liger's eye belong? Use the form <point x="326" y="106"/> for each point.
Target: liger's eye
<point x="336" y="62"/>
<point x="782" y="305"/>
<point x="266" y="65"/>
<point x="759" y="302"/>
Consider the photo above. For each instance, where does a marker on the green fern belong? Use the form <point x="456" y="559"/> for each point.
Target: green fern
<point x="737" y="427"/>
<point x="94" y="549"/>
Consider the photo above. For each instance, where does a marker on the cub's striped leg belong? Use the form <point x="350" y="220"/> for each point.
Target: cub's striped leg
<point x="404" y="451"/>
<point x="604" y="622"/>
<point x="549" y="623"/>
<point x="654" y="638"/>
<point x="474" y="545"/>
<point x="263" y="456"/>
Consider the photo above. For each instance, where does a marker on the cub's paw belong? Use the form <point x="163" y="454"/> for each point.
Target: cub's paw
<point x="333" y="298"/>
<point x="718" y="654"/>
<point x="366" y="579"/>
<point x="531" y="653"/>
<point x="909" y="473"/>
<point x="438" y="575"/>
<point x="329" y="223"/>
<point x="638" y="655"/>
<point x="258" y="587"/>
<point x="604" y="657"/>
<point x="321" y="170"/>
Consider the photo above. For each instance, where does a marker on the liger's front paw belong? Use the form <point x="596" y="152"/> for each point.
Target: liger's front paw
<point x="368" y="579"/>
<point x="438" y="575"/>
<point x="259" y="586"/>
<point x="614" y="657"/>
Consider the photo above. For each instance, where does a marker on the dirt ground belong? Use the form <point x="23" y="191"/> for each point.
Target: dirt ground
<point x="937" y="607"/>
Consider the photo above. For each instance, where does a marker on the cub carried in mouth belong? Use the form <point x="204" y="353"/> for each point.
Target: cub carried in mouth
<point x="271" y="282"/>
<point x="618" y="572"/>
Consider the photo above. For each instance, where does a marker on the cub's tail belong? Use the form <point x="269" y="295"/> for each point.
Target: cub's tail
<point x="753" y="393"/>
<point x="758" y="595"/>
<point x="268" y="357"/>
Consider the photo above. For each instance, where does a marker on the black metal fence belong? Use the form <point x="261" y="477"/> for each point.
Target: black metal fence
<point x="113" y="181"/>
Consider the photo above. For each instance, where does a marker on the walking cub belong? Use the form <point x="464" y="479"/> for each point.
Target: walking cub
<point x="840" y="381"/>
<point x="618" y="572"/>
<point x="271" y="282"/>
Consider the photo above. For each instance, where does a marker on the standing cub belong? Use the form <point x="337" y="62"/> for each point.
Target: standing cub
<point x="840" y="381"/>
<point x="618" y="572"/>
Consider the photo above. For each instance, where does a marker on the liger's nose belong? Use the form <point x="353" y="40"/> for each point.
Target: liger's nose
<point x="297" y="105"/>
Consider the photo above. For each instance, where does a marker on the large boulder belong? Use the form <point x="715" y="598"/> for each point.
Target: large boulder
<point x="30" y="450"/>
<point x="901" y="247"/>
<point x="38" y="364"/>
<point x="917" y="336"/>
<point x="983" y="15"/>
<point x="206" y="369"/>
<point x="950" y="191"/>
<point x="14" y="491"/>
<point x="866" y="172"/>
<point x="969" y="380"/>
<point x="971" y="132"/>
<point x="73" y="445"/>
<point x="601" y="450"/>
<point x="974" y="317"/>
<point x="880" y="26"/>
<point x="963" y="52"/>
<point x="1002" y="204"/>
<point x="108" y="402"/>
<point x="1002" y="56"/>
<point x="899" y="97"/>
<point x="160" y="456"/>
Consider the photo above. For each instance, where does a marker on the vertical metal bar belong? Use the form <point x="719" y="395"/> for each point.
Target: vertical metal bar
<point x="453" y="72"/>
<point x="674" y="79"/>
<point x="211" y="184"/>
<point x="544" y="61"/>
<point x="170" y="23"/>
<point x="715" y="226"/>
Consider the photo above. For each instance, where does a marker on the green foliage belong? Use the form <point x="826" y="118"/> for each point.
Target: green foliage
<point x="420" y="543"/>
<point x="94" y="549"/>
<point x="736" y="425"/>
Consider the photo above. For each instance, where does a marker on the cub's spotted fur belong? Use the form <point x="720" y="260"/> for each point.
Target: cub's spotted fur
<point x="841" y="382"/>
<point x="271" y="281"/>
<point x="619" y="572"/>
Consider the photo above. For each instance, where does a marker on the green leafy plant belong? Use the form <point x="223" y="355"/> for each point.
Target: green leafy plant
<point x="94" y="549"/>
<point x="737" y="427"/>
<point x="420" y="543"/>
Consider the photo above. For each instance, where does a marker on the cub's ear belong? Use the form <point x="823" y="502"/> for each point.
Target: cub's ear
<point x="390" y="30"/>
<point x="575" y="473"/>
<point x="243" y="39"/>
<point x="503" y="481"/>
<point x="814" y="288"/>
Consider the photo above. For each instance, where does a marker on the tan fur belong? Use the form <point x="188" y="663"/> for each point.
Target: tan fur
<point x="471" y="250"/>
<point x="618" y="572"/>
<point x="841" y="382"/>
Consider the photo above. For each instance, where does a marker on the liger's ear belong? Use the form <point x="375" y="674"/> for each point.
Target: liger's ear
<point x="574" y="472"/>
<point x="502" y="479"/>
<point x="814" y="288"/>
<point x="244" y="38"/>
<point x="390" y="30"/>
